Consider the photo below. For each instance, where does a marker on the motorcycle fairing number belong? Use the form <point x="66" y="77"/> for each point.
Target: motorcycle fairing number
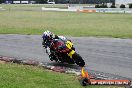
<point x="69" y="44"/>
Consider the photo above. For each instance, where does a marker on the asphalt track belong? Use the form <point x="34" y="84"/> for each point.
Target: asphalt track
<point x="107" y="55"/>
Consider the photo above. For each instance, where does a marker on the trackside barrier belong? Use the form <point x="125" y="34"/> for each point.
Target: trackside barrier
<point x="86" y="11"/>
<point x="114" y="10"/>
<point x="89" y="10"/>
<point x="102" y="10"/>
<point x="69" y="9"/>
<point x="110" y="10"/>
<point x="58" y="9"/>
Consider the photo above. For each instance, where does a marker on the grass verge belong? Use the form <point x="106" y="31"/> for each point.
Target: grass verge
<point x="22" y="76"/>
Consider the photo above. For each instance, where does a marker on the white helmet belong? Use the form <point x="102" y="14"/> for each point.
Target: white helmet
<point x="48" y="35"/>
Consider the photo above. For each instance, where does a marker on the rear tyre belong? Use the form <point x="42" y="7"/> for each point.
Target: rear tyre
<point x="78" y="60"/>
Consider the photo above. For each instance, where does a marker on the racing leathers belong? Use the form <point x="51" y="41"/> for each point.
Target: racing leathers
<point x="48" y="45"/>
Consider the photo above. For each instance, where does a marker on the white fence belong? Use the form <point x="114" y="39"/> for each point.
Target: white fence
<point x="23" y="2"/>
<point x="112" y="10"/>
<point x="16" y="2"/>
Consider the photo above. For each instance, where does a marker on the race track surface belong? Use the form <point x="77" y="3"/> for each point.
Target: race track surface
<point x="108" y="55"/>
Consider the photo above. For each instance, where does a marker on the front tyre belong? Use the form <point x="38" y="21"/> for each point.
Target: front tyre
<point x="78" y="60"/>
<point x="85" y="82"/>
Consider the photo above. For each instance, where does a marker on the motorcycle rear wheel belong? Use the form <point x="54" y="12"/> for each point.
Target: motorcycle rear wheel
<point x="78" y="60"/>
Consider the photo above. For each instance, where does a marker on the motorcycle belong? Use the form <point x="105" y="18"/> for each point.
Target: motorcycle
<point x="63" y="51"/>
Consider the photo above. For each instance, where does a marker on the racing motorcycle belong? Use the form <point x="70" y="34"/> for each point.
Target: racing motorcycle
<point x="63" y="51"/>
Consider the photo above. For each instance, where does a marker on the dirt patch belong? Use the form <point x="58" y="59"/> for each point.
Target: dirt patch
<point x="2" y="62"/>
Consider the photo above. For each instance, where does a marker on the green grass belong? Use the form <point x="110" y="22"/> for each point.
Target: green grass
<point x="27" y="20"/>
<point x="21" y="76"/>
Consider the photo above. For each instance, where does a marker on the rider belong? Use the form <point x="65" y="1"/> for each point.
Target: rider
<point x="48" y="38"/>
